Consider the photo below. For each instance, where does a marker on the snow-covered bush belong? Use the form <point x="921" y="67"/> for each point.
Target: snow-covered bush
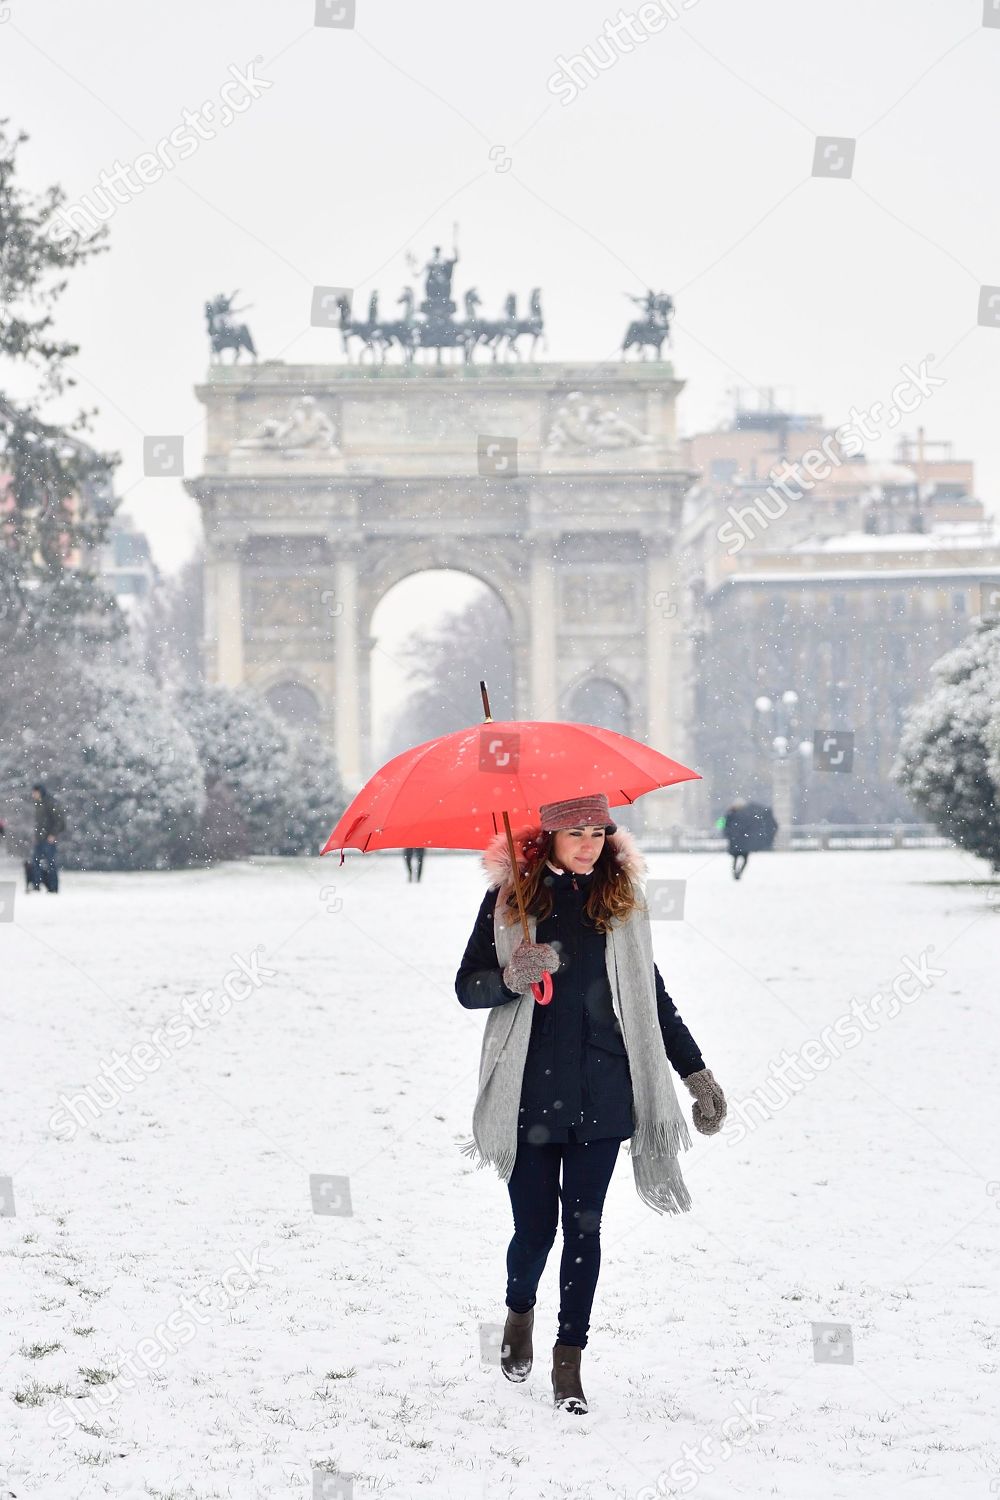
<point x="270" y="789"/>
<point x="316" y="796"/>
<point x="108" y="748"/>
<point x="949" y="751"/>
<point x="246" y="761"/>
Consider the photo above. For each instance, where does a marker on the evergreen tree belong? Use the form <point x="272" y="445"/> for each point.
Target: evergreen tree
<point x="316" y="796"/>
<point x="51" y="520"/>
<point x="108" y="748"/>
<point x="246" y="761"/>
<point x="949" y="751"/>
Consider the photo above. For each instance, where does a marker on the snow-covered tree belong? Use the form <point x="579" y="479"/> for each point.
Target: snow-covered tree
<point x="316" y="796"/>
<point x="54" y="488"/>
<point x="949" y="751"/>
<point x="105" y="744"/>
<point x="246" y="761"/>
<point x="270" y="790"/>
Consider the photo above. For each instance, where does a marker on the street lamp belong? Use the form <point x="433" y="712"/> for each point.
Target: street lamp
<point x="780" y="727"/>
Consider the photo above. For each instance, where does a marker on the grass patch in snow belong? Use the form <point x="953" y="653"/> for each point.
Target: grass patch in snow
<point x="34" y="1394"/>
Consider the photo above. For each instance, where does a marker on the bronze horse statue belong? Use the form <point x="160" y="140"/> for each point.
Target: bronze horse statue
<point x="651" y="331"/>
<point x="226" y="335"/>
<point x="505" y="332"/>
<point x="533" y="325"/>
<point x="403" y="331"/>
<point x="367" y="331"/>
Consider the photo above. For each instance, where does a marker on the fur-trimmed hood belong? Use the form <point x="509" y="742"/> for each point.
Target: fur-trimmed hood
<point x="496" y="857"/>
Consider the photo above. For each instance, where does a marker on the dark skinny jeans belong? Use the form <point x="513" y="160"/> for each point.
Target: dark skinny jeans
<point x="535" y="1193"/>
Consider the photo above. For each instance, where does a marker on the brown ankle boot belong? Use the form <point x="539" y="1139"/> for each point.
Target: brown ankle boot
<point x="516" y="1353"/>
<point x="566" y="1388"/>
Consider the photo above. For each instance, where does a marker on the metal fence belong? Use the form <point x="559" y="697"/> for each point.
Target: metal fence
<point x="812" y="836"/>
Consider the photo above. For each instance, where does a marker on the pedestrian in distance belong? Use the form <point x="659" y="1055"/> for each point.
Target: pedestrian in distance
<point x="414" y="860"/>
<point x="562" y="1085"/>
<point x="747" y="827"/>
<point x="735" y="831"/>
<point x="49" y="824"/>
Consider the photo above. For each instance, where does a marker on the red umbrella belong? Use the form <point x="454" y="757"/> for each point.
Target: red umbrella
<point x="458" y="791"/>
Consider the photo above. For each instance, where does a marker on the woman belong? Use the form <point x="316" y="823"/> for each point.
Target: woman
<point x="566" y="1083"/>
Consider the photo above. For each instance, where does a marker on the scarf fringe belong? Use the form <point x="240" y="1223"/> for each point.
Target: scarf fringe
<point x="666" y="1194"/>
<point x="655" y="1138"/>
<point x="503" y="1160"/>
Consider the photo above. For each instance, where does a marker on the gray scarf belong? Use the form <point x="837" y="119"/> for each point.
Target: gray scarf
<point x="660" y="1127"/>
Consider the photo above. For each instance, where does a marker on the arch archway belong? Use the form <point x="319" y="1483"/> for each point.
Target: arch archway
<point x="433" y="635"/>
<point x="297" y="705"/>
<point x="574" y="535"/>
<point x="601" y="701"/>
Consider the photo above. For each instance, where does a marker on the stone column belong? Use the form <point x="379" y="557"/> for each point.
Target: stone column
<point x="664" y="699"/>
<point x="347" y="690"/>
<point x="544" y="639"/>
<point x="781" y="780"/>
<point x="224" y="607"/>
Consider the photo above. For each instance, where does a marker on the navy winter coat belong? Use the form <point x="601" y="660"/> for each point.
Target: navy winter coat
<point x="577" y="1084"/>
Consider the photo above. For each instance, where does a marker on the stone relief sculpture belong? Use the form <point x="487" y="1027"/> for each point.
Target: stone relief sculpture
<point x="600" y="597"/>
<point x="306" y="429"/>
<point x="582" y="424"/>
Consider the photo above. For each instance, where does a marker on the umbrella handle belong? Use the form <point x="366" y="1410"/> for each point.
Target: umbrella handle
<point x="543" y="992"/>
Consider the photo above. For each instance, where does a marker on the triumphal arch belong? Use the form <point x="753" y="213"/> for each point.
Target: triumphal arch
<point x="559" y="485"/>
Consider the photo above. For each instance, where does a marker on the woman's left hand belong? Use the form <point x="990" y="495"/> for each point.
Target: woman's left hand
<point x="709" y="1108"/>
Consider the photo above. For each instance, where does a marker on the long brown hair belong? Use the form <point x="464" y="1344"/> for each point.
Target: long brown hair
<point x="612" y="896"/>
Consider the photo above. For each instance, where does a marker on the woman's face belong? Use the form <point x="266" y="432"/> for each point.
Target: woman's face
<point x="578" y="848"/>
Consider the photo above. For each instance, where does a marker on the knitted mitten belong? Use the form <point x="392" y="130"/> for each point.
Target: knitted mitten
<point x="528" y="963"/>
<point x="709" y="1108"/>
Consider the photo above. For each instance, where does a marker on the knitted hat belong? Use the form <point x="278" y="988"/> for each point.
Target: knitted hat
<point x="577" y="812"/>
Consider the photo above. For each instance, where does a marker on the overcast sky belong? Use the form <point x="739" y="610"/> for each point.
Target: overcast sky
<point x="686" y="165"/>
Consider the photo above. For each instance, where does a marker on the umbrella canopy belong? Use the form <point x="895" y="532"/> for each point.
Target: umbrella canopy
<point x="759" y="827"/>
<point x="452" y="792"/>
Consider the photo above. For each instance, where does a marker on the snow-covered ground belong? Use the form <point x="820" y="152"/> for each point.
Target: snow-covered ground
<point x="172" y="1241"/>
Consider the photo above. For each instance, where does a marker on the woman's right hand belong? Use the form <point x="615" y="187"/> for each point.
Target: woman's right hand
<point x="528" y="963"/>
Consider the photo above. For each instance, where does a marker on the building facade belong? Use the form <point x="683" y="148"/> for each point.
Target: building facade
<point x="836" y="591"/>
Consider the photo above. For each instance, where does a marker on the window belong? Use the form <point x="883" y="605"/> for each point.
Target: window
<point x="723" y="470"/>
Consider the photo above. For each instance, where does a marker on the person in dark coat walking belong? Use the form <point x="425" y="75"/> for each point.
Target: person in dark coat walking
<point x="748" y="826"/>
<point x="413" y="857"/>
<point x="736" y="830"/>
<point x="49" y="824"/>
<point x="576" y="1100"/>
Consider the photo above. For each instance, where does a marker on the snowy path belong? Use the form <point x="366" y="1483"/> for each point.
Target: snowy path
<point x="870" y="1198"/>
